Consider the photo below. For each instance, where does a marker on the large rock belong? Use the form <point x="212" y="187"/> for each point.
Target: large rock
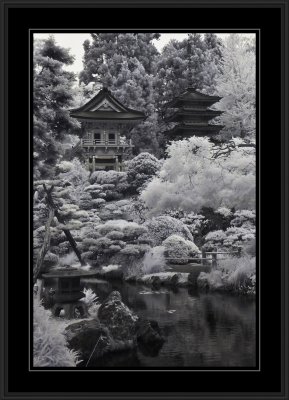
<point x="161" y="278"/>
<point x="87" y="337"/>
<point x="118" y="329"/>
<point x="195" y="272"/>
<point x="118" y="318"/>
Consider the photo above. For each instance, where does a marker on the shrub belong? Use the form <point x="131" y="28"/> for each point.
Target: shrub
<point x="235" y="275"/>
<point x="64" y="166"/>
<point x="132" y="230"/>
<point x="129" y="229"/>
<point x="245" y="218"/>
<point x="211" y="280"/>
<point x="114" y="248"/>
<point x="179" y="248"/>
<point x="131" y="250"/>
<point x="102" y="243"/>
<point x="68" y="259"/>
<point x="116" y="180"/>
<point x="49" y="343"/>
<point x="234" y="238"/>
<point x="90" y="297"/>
<point x="250" y="248"/>
<point x="76" y="175"/>
<point x="115" y="235"/>
<point x="191" y="177"/>
<point x="154" y="261"/>
<point x="141" y="169"/>
<point x="85" y="201"/>
<point x="160" y="228"/>
<point x="97" y="202"/>
<point x="50" y="260"/>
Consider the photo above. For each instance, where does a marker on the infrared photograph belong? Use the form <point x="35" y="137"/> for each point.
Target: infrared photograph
<point x="144" y="200"/>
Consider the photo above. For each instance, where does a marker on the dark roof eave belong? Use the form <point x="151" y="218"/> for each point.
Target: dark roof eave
<point x="206" y="113"/>
<point x="178" y="101"/>
<point x="99" y="97"/>
<point x="102" y="117"/>
<point x="205" y="130"/>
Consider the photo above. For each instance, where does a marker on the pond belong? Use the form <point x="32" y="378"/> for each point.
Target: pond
<point x="201" y="329"/>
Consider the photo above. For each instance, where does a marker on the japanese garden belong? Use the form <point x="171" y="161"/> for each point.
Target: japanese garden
<point x="144" y="201"/>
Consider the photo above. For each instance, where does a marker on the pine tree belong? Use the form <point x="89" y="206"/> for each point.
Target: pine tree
<point x="124" y="62"/>
<point x="53" y="94"/>
<point x="172" y="67"/>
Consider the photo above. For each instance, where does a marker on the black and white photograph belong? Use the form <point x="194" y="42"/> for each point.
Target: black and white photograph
<point x="144" y="200"/>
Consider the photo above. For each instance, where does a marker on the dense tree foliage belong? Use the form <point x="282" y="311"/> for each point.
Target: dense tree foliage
<point x="236" y="84"/>
<point x="203" y="191"/>
<point x="141" y="169"/>
<point x="52" y="96"/>
<point x="124" y="62"/>
<point x="191" y="178"/>
<point x="173" y="66"/>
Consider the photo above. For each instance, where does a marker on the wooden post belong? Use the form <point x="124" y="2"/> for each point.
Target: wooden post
<point x="204" y="256"/>
<point x="44" y="248"/>
<point x="214" y="260"/>
<point x="116" y="164"/>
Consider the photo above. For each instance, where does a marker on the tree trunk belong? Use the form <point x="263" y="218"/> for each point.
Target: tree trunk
<point x="45" y="246"/>
<point x="72" y="242"/>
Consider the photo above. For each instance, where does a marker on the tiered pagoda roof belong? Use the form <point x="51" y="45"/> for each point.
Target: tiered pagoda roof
<point x="105" y="107"/>
<point x="193" y="114"/>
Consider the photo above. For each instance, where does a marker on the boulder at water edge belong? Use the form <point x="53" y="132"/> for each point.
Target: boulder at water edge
<point x="117" y="329"/>
<point x="87" y="335"/>
<point x="117" y="317"/>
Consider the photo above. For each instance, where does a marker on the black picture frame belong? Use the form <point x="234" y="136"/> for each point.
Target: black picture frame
<point x="271" y="19"/>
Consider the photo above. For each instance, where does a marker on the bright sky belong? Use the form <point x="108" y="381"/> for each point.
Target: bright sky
<point x="74" y="41"/>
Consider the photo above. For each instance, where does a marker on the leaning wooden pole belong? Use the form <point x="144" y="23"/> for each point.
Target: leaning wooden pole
<point x="68" y="235"/>
<point x="45" y="247"/>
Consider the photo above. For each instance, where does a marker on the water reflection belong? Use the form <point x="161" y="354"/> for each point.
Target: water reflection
<point x="201" y="330"/>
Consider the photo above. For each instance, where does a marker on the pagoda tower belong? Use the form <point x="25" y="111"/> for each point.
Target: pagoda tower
<point x="192" y="112"/>
<point x="105" y="122"/>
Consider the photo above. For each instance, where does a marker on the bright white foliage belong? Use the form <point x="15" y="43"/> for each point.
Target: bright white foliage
<point x="76" y="175"/>
<point x="154" y="260"/>
<point x="129" y="229"/>
<point x="141" y="168"/>
<point x="224" y="211"/>
<point x="191" y="178"/>
<point x="90" y="297"/>
<point x="244" y="217"/>
<point x="236" y="84"/>
<point x="49" y="343"/>
<point x="160" y="228"/>
<point x="111" y="267"/>
<point x="179" y="248"/>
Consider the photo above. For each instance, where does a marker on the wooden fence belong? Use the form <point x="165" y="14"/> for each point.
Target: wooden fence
<point x="206" y="260"/>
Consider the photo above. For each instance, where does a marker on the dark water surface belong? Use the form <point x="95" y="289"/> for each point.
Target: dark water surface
<point x="201" y="330"/>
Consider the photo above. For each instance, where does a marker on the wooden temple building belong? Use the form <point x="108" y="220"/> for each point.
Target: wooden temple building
<point x="105" y="122"/>
<point x="192" y="113"/>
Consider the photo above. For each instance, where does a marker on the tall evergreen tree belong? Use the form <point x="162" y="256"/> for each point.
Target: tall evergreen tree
<point x="53" y="94"/>
<point x="124" y="62"/>
<point x="236" y="84"/>
<point x="173" y="66"/>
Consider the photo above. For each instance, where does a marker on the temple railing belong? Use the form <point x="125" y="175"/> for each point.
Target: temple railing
<point x="101" y="143"/>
